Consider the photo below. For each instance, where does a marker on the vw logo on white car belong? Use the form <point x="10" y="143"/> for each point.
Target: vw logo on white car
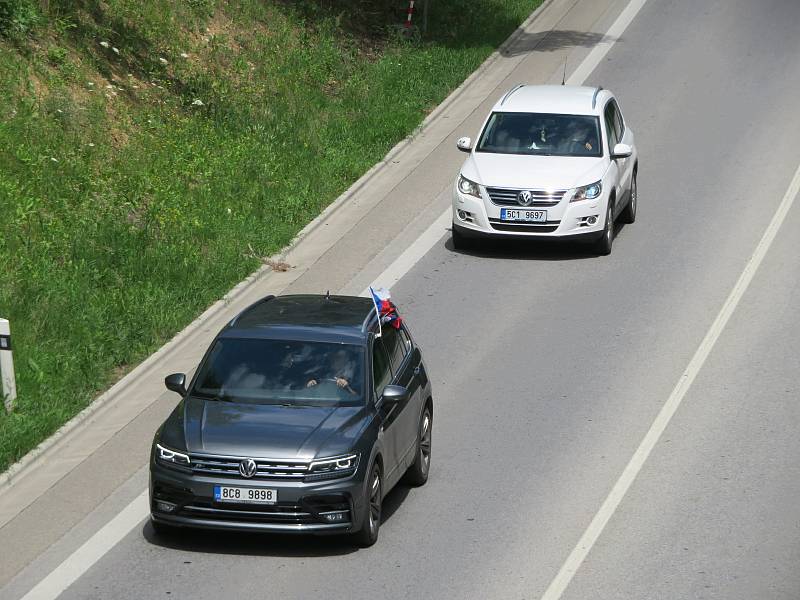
<point x="248" y="467"/>
<point x="525" y="197"/>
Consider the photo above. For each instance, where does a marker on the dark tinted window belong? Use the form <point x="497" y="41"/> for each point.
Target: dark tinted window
<point x="541" y="134"/>
<point x="406" y="339"/>
<point x="395" y="346"/>
<point x="282" y="372"/>
<point x="619" y="124"/>
<point x="380" y="367"/>
<point x="611" y="127"/>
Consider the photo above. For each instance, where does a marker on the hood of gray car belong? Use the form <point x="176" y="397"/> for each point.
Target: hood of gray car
<point x="269" y="431"/>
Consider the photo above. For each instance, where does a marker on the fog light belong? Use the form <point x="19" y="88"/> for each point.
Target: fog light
<point x="336" y="517"/>
<point x="166" y="507"/>
<point x="591" y="220"/>
<point x="462" y="215"/>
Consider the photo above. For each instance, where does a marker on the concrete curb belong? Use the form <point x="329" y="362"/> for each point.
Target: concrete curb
<point x="18" y="469"/>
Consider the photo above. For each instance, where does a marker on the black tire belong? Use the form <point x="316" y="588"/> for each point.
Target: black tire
<point x="606" y="241"/>
<point x="417" y="473"/>
<point x="460" y="241"/>
<point x="161" y="529"/>
<point x="628" y="215"/>
<point x="373" y="497"/>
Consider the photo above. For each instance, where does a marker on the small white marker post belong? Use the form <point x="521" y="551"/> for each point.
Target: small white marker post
<point x="9" y="387"/>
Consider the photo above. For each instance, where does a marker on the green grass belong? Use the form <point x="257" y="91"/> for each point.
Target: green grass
<point x="125" y="211"/>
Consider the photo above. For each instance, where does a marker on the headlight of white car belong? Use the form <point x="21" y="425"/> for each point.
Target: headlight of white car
<point x="466" y="186"/>
<point x="588" y="192"/>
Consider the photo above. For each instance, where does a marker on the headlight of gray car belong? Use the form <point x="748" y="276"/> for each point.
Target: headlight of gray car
<point x="332" y="468"/>
<point x="172" y="458"/>
<point x="469" y="187"/>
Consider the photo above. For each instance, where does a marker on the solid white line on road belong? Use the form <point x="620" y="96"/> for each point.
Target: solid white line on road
<point x="612" y="502"/>
<point x="106" y="538"/>
<point x="413" y="254"/>
<point x="91" y="551"/>
<point x="599" y="52"/>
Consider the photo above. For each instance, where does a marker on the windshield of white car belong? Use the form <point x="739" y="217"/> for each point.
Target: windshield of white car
<point x="541" y="134"/>
<point x="264" y="371"/>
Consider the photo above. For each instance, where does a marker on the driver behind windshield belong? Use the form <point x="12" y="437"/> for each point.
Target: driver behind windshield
<point x="340" y="369"/>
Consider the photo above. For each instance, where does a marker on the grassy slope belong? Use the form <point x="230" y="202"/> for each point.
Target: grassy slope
<point x="134" y="191"/>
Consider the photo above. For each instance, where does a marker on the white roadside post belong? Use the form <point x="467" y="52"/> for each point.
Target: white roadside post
<point x="9" y="387"/>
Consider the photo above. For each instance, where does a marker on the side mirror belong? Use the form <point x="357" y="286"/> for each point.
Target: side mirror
<point x="176" y="383"/>
<point x="621" y="151"/>
<point x="464" y="144"/>
<point x="395" y="394"/>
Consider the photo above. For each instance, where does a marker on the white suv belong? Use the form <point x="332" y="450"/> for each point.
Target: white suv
<point x="550" y="162"/>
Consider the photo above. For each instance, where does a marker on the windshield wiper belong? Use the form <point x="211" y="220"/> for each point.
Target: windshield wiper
<point x="219" y="396"/>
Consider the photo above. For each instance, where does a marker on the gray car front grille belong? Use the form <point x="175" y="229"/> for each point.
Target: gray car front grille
<point x="541" y="198"/>
<point x="266" y="469"/>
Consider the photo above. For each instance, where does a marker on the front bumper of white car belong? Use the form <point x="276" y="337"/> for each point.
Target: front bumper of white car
<point x="481" y="217"/>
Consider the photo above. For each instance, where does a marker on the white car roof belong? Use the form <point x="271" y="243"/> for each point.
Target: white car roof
<point x="559" y="99"/>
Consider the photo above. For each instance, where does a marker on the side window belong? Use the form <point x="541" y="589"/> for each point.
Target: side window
<point x="406" y="339"/>
<point x="381" y="374"/>
<point x="618" y="122"/>
<point x="394" y="346"/>
<point x="609" y="116"/>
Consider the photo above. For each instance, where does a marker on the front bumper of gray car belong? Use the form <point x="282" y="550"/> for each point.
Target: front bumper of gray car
<point x="185" y="499"/>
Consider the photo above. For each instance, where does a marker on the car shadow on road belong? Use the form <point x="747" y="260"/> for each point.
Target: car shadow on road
<point x="521" y="249"/>
<point x="266" y="544"/>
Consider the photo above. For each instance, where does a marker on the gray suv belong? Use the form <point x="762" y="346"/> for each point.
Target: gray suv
<point x="303" y="414"/>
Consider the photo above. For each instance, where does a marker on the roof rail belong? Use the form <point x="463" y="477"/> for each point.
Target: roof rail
<point x="594" y="96"/>
<point x="511" y="91"/>
<point x="253" y="305"/>
<point x="372" y="316"/>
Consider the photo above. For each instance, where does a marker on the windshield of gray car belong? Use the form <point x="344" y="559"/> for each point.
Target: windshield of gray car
<point x="541" y="134"/>
<point x="264" y="371"/>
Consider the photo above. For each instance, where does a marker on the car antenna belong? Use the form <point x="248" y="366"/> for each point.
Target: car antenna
<point x="328" y="295"/>
<point x="564" y="76"/>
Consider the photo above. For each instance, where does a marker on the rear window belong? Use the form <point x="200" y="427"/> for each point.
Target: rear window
<point x="541" y="134"/>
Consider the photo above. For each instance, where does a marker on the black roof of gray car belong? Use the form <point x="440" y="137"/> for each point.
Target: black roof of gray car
<point x="309" y="317"/>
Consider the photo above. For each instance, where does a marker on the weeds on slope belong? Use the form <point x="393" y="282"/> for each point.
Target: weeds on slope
<point x="150" y="152"/>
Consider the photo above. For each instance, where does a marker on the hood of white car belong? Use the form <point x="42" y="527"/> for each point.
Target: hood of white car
<point x="533" y="172"/>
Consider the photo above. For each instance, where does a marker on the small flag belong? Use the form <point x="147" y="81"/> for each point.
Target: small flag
<point x="387" y="311"/>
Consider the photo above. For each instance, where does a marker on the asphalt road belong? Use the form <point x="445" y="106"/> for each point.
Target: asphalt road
<point x="549" y="365"/>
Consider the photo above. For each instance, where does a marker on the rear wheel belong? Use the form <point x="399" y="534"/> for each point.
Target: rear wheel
<point x="603" y="245"/>
<point x="629" y="214"/>
<point x="417" y="473"/>
<point x="368" y="534"/>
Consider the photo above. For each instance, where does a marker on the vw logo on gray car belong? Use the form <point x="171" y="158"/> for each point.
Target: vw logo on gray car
<point x="248" y="467"/>
<point x="525" y="197"/>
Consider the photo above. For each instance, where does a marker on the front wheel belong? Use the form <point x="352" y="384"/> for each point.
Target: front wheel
<point x="417" y="473"/>
<point x="460" y="241"/>
<point x="161" y="529"/>
<point x="603" y="246"/>
<point x="629" y="214"/>
<point x="368" y="534"/>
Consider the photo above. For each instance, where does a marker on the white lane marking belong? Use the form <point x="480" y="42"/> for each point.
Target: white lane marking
<point x="413" y="254"/>
<point x="612" y="502"/>
<point x="91" y="551"/>
<point x="599" y="52"/>
<point x="101" y="542"/>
